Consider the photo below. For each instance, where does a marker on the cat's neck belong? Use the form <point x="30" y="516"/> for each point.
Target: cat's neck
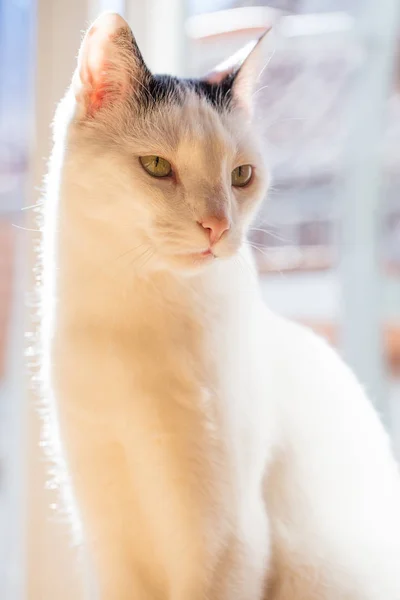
<point x="87" y="292"/>
<point x="95" y="287"/>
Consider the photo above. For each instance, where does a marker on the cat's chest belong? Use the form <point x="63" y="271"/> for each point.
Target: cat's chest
<point x="171" y="349"/>
<point x="159" y="345"/>
<point x="174" y="334"/>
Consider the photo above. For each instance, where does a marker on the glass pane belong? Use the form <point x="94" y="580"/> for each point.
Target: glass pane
<point x="15" y="115"/>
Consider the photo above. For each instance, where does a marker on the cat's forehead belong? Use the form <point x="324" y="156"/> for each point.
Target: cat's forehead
<point x="166" y="88"/>
<point x="193" y="117"/>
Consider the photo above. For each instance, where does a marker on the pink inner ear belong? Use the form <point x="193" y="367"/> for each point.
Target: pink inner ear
<point x="216" y="77"/>
<point x="97" y="98"/>
<point x="100" y="75"/>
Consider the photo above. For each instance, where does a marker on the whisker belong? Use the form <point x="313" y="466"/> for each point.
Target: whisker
<point x="266" y="65"/>
<point x="272" y="269"/>
<point x="262" y="250"/>
<point x="128" y="252"/>
<point x="147" y="260"/>
<point x="272" y="234"/>
<point x="138" y="258"/>
<point x="257" y="244"/>
<point x="32" y="206"/>
<point x="26" y="228"/>
<point x="264" y="87"/>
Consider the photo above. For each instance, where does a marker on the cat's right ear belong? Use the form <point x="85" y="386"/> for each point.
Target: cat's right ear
<point x="109" y="65"/>
<point x="243" y="70"/>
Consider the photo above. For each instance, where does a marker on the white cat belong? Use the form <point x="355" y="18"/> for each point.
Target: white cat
<point x="215" y="451"/>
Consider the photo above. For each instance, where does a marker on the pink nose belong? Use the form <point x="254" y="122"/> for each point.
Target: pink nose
<point x="216" y="227"/>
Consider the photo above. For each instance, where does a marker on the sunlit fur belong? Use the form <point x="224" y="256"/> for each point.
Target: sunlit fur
<point x="214" y="451"/>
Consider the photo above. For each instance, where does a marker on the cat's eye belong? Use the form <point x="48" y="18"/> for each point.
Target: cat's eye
<point x="156" y="166"/>
<point x="241" y="176"/>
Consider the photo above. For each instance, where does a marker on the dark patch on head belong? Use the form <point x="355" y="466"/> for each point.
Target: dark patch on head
<point x="166" y="89"/>
<point x="217" y="94"/>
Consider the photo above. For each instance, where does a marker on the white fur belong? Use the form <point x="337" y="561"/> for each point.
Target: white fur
<point x="214" y="450"/>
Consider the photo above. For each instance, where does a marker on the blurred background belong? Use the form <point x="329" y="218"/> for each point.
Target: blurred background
<point x="327" y="241"/>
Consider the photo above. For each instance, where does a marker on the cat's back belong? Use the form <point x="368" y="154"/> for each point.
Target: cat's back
<point x="333" y="477"/>
<point x="310" y="375"/>
<point x="315" y="391"/>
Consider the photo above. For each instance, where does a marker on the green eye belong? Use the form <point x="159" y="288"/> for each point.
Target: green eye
<point x="156" y="166"/>
<point x="242" y="175"/>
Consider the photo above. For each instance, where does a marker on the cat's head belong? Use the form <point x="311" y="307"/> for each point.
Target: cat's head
<point x="172" y="168"/>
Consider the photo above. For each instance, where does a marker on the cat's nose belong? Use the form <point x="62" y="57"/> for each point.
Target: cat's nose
<point x="215" y="226"/>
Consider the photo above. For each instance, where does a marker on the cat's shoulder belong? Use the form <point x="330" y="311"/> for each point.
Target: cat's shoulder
<point x="316" y="394"/>
<point x="309" y="364"/>
<point x="295" y="339"/>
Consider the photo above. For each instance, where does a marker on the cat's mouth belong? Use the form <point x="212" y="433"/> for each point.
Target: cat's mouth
<point x="194" y="261"/>
<point x="191" y="261"/>
<point x="204" y="255"/>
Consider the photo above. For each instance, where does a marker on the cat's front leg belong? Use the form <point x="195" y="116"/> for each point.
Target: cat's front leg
<point x="106" y="510"/>
<point x="154" y="507"/>
<point x="91" y="393"/>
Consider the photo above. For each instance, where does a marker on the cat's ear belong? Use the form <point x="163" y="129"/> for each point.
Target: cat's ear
<point x="243" y="70"/>
<point x="109" y="63"/>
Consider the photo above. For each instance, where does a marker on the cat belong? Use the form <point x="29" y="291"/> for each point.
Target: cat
<point x="213" y="450"/>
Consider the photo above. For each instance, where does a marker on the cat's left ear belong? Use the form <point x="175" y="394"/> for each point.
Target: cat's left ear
<point x="109" y="62"/>
<point x="243" y="70"/>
